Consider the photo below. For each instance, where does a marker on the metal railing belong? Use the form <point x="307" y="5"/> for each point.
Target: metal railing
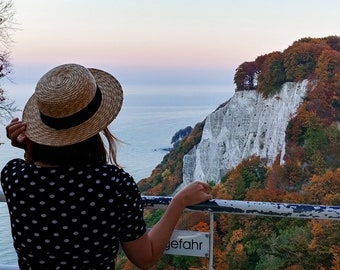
<point x="253" y="208"/>
<point x="271" y="209"/>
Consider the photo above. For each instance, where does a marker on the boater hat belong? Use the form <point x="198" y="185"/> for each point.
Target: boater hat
<point x="70" y="104"/>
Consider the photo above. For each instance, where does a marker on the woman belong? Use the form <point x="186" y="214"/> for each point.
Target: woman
<point x="70" y="204"/>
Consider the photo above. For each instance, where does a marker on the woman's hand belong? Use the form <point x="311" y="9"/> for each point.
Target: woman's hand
<point x="15" y="131"/>
<point x="146" y="250"/>
<point x="194" y="193"/>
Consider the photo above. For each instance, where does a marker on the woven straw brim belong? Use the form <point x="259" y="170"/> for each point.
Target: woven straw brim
<point x="112" y="100"/>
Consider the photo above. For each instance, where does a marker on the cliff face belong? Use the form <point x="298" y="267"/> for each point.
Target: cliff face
<point x="246" y="125"/>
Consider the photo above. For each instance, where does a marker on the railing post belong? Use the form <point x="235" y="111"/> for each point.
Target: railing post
<point x="211" y="245"/>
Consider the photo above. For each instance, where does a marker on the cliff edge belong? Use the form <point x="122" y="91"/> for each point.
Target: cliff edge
<point x="246" y="125"/>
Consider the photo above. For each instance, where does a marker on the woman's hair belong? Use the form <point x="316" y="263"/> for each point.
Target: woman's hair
<point x="90" y="151"/>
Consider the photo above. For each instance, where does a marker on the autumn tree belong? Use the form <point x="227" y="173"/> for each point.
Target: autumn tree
<point x="272" y="75"/>
<point x="6" y="28"/>
<point x="328" y="67"/>
<point x="287" y="249"/>
<point x="324" y="189"/>
<point x="325" y="243"/>
<point x="300" y="59"/>
<point x="179" y="135"/>
<point x="250" y="173"/>
<point x="327" y="74"/>
<point x="333" y="42"/>
<point x="245" y="76"/>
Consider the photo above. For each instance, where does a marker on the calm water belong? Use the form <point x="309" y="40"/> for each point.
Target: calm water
<point x="145" y="130"/>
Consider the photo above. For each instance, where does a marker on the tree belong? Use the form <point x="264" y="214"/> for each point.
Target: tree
<point x="333" y="42"/>
<point x="245" y="76"/>
<point x="272" y="75"/>
<point x="327" y="67"/>
<point x="7" y="24"/>
<point x="325" y="243"/>
<point x="250" y="173"/>
<point x="300" y="59"/>
<point x="179" y="135"/>
<point x="324" y="189"/>
<point x="287" y="249"/>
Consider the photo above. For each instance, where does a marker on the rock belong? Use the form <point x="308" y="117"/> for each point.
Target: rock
<point x="246" y="125"/>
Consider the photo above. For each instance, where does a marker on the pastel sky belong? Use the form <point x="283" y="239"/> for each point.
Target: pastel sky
<point x="196" y="42"/>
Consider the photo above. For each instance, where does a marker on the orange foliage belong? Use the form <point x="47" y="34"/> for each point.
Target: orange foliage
<point x="293" y="197"/>
<point x="316" y="227"/>
<point x="325" y="234"/>
<point x="327" y="68"/>
<point x="324" y="188"/>
<point x="336" y="257"/>
<point x="191" y="219"/>
<point x="237" y="236"/>
<point x="275" y="177"/>
<point x="219" y="191"/>
<point x="245" y="76"/>
<point x="154" y="191"/>
<point x="294" y="154"/>
<point x="295" y="267"/>
<point x="320" y="104"/>
<point x="220" y="259"/>
<point x="265" y="195"/>
<point x="223" y="223"/>
<point x="201" y="227"/>
<point x="288" y="176"/>
<point x="240" y="253"/>
<point x="300" y="58"/>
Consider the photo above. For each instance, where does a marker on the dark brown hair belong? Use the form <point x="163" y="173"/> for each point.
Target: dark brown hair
<point x="90" y="151"/>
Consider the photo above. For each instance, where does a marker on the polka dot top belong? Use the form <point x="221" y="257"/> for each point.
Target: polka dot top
<point x="71" y="217"/>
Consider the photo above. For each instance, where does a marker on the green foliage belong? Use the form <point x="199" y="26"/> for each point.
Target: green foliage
<point x="179" y="135"/>
<point x="153" y="217"/>
<point x="301" y="58"/>
<point x="211" y="183"/>
<point x="272" y="75"/>
<point x="288" y="248"/>
<point x="185" y="262"/>
<point x="332" y="153"/>
<point x="250" y="173"/>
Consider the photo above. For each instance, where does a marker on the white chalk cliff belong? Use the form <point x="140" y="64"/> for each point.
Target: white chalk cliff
<point x="246" y="125"/>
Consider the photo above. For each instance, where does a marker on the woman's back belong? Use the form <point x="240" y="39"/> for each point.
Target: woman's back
<point x="71" y="216"/>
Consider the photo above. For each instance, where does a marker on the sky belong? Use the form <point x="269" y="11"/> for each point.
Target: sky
<point x="157" y="46"/>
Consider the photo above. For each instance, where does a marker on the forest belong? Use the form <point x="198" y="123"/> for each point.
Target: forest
<point x="310" y="173"/>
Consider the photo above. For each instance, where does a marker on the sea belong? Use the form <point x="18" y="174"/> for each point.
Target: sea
<point x="145" y="127"/>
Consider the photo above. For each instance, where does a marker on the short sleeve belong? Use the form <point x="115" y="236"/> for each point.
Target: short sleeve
<point x="131" y="209"/>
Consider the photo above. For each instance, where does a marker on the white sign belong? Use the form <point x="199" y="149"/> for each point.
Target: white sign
<point x="188" y="243"/>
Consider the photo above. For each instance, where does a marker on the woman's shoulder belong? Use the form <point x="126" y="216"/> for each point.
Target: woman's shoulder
<point x="16" y="162"/>
<point x="13" y="165"/>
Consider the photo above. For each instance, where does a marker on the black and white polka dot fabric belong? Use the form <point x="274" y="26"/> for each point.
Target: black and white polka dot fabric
<point x="71" y="217"/>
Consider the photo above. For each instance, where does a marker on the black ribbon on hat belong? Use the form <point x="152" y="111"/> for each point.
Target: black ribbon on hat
<point x="74" y="119"/>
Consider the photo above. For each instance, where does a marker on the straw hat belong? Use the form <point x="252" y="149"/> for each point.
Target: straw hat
<point x="71" y="104"/>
